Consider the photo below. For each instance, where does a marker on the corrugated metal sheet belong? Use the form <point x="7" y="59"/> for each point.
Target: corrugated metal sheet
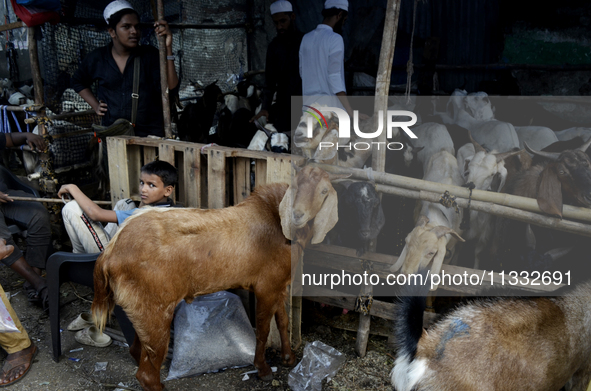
<point x="468" y="33"/>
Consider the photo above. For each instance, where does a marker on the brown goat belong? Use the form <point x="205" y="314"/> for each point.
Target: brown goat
<point x="164" y="255"/>
<point x="566" y="178"/>
<point x="496" y="344"/>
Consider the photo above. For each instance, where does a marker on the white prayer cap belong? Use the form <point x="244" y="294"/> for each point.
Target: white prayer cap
<point x="115" y="6"/>
<point x="340" y="4"/>
<point x="281" y="6"/>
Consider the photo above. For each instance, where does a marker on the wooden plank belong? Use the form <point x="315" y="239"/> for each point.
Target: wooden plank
<point x="150" y="153"/>
<point x="216" y="177"/>
<point x="278" y="170"/>
<point x="134" y="166"/>
<point x="192" y="177"/>
<point x="182" y="168"/>
<point x="241" y="179"/>
<point x="166" y="153"/>
<point x="260" y="172"/>
<point x="338" y="299"/>
<point x="118" y="169"/>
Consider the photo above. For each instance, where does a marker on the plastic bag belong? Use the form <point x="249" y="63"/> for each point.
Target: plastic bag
<point x="319" y="361"/>
<point x="6" y="322"/>
<point x="211" y="333"/>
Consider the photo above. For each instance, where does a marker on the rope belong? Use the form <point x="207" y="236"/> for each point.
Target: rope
<point x="409" y="64"/>
<point x="466" y="220"/>
<point x="364" y="302"/>
<point x="449" y="201"/>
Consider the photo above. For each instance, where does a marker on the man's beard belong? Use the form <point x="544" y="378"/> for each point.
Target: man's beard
<point x="338" y="28"/>
<point x="287" y="33"/>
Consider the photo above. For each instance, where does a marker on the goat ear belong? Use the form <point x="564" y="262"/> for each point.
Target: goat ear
<point x="380" y="221"/>
<point x="327" y="153"/>
<point x="438" y="258"/>
<point x="285" y="213"/>
<point x="326" y="218"/>
<point x="550" y="192"/>
<point x="499" y="179"/>
<point x="400" y="261"/>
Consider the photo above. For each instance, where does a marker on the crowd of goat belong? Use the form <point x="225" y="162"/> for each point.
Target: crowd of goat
<point x="224" y="119"/>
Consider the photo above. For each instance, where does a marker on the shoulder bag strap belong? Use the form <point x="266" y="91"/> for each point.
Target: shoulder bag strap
<point x="136" y="87"/>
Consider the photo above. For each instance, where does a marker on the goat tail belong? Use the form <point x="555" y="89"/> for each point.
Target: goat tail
<point x="408" y="330"/>
<point x="103" y="303"/>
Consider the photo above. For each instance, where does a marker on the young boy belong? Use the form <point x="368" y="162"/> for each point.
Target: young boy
<point x="82" y="217"/>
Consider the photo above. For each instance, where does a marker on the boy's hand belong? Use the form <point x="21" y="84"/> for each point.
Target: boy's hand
<point x="162" y="29"/>
<point x="4" y="198"/>
<point x="65" y="189"/>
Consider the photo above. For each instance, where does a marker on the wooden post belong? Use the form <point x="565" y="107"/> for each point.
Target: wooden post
<point x="164" y="76"/>
<point x="35" y="70"/>
<point x="378" y="159"/>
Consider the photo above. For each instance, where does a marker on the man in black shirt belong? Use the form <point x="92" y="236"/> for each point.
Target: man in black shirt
<point x="113" y="67"/>
<point x="282" y="74"/>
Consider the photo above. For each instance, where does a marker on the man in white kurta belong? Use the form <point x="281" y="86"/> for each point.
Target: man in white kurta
<point x="322" y="55"/>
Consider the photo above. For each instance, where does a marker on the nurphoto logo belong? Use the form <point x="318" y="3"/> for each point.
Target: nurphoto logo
<point x="393" y="121"/>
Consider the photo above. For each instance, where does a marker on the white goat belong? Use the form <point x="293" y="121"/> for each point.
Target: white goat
<point x="570" y="133"/>
<point x="496" y="344"/>
<point x="438" y="228"/>
<point x="432" y="138"/>
<point x="474" y="112"/>
<point x="485" y="171"/>
<point x="537" y="137"/>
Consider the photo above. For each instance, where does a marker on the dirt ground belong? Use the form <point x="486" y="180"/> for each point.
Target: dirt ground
<point x="75" y="371"/>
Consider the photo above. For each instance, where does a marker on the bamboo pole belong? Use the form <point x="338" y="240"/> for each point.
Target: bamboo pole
<point x="379" y="156"/>
<point x="53" y="200"/>
<point x="11" y="26"/>
<point x="523" y="203"/>
<point x="498" y="210"/>
<point x="29" y="108"/>
<point x="60" y="116"/>
<point x="164" y="75"/>
<point x="383" y="76"/>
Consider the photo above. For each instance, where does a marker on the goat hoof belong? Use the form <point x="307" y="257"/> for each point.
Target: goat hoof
<point x="268" y="377"/>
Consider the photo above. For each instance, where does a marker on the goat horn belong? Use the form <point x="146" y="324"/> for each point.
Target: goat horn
<point x="547" y="155"/>
<point x="422" y="221"/>
<point x="585" y="146"/>
<point x="505" y="155"/>
<point x="441" y="230"/>
<point x="557" y="253"/>
<point x="334" y="177"/>
<point x="477" y="147"/>
<point x="530" y="237"/>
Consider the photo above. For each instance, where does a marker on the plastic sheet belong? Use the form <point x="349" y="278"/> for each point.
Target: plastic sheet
<point x="6" y="322"/>
<point x="319" y="361"/>
<point x="211" y="333"/>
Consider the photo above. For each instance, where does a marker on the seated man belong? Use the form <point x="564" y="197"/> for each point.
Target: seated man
<point x="19" y="347"/>
<point x="30" y="215"/>
<point x="83" y="217"/>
